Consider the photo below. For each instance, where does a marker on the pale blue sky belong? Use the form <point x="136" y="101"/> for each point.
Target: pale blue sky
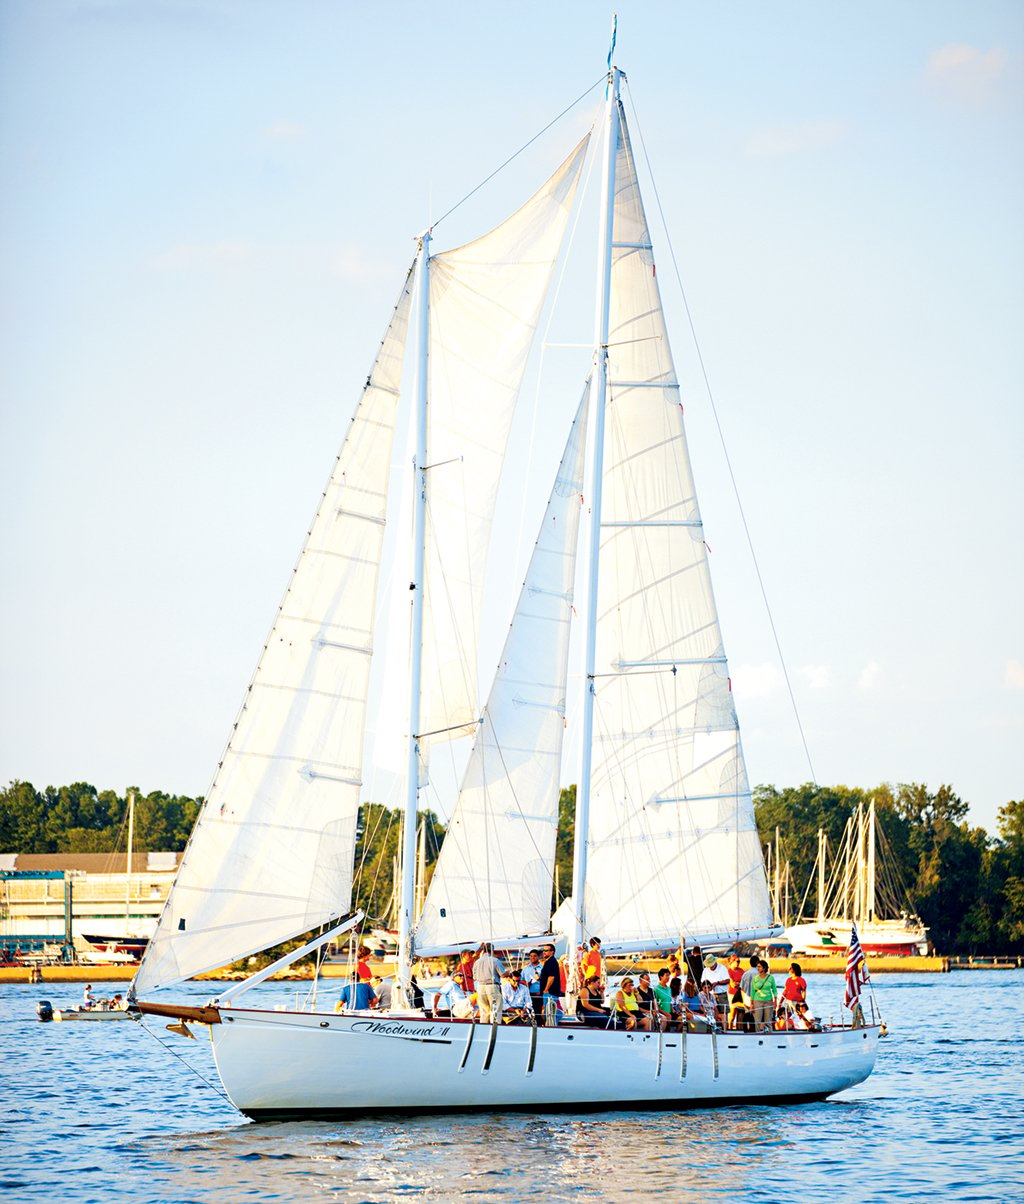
<point x="206" y="214"/>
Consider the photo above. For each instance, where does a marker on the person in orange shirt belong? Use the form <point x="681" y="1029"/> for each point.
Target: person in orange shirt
<point x="593" y="963"/>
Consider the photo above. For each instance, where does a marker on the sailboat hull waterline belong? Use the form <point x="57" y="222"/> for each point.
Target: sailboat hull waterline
<point x="278" y="1065"/>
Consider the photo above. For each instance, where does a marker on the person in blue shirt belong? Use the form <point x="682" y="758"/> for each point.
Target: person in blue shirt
<point x="356" y="997"/>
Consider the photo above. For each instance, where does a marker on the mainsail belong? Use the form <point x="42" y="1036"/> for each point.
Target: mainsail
<point x="672" y="844"/>
<point x="485" y="301"/>
<point x="271" y="854"/>
<point x="493" y="877"/>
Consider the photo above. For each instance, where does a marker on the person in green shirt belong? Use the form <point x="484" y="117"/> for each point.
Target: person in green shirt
<point x="763" y="993"/>
<point x="663" y="999"/>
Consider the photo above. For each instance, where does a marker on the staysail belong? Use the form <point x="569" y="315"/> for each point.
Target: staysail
<point x="485" y="301"/>
<point x="672" y="844"/>
<point x="493" y="877"/>
<point x="271" y="854"/>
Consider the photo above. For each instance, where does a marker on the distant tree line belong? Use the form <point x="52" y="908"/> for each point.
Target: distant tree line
<point x="967" y="886"/>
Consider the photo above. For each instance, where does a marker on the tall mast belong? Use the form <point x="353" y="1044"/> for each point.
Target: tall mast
<point x="869" y="908"/>
<point x="405" y="915"/>
<point x="821" y="875"/>
<point x="604" y="288"/>
<point x="128" y="875"/>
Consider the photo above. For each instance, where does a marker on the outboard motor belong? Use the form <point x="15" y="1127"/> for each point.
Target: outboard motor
<point x="44" y="1009"/>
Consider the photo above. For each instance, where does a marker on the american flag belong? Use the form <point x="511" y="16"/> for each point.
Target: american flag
<point x="856" y="969"/>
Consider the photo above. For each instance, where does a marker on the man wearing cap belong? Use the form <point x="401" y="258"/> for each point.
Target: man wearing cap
<point x="515" y="999"/>
<point x="550" y="986"/>
<point x="487" y="972"/>
<point x="717" y="977"/>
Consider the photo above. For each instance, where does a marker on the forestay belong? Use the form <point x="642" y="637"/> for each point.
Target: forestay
<point x="494" y="874"/>
<point x="672" y="843"/>
<point x="485" y="301"/>
<point x="271" y="854"/>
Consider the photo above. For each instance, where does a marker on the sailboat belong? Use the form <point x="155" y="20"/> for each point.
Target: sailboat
<point x="666" y="848"/>
<point x="125" y="949"/>
<point x="885" y="923"/>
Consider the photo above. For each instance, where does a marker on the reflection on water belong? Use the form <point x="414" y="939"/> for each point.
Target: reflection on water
<point x="93" y="1112"/>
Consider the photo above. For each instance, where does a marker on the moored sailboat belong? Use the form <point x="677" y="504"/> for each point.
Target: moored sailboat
<point x="666" y="848"/>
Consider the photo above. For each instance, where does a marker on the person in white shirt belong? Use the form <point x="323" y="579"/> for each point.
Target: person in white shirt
<point x="516" y="998"/>
<point x="487" y="972"/>
<point x="716" y="976"/>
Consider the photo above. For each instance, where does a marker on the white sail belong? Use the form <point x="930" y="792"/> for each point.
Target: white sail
<point x="672" y="844"/>
<point x="271" y="854"/>
<point x="485" y="302"/>
<point x="494" y="874"/>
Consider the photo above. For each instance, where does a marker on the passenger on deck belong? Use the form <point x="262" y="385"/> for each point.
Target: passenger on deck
<point x="445" y="994"/>
<point x="763" y="993"/>
<point x="590" y="1003"/>
<point x="551" y="986"/>
<point x="463" y="974"/>
<point x="794" y="989"/>
<point x="382" y="990"/>
<point x="696" y="1020"/>
<point x="627" y="1006"/>
<point x="356" y="997"/>
<point x="716" y="975"/>
<point x="803" y="1019"/>
<point x="487" y="972"/>
<point x="745" y="980"/>
<point x="593" y="962"/>
<point x="709" y="1005"/>
<point x="515" y="995"/>
<point x="363" y="964"/>
<point x="530" y="974"/>
<point x="663" y="1000"/>
<point x="648" y="1005"/>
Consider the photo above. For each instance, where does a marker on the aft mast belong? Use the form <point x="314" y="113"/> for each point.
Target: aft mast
<point x="408" y="892"/>
<point x="604" y="282"/>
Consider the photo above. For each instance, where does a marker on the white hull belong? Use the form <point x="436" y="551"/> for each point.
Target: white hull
<point x="892" y="937"/>
<point x="93" y="1014"/>
<point x="281" y="1064"/>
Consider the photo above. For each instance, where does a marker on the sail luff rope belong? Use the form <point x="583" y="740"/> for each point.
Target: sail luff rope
<point x="725" y="450"/>
<point x="554" y="121"/>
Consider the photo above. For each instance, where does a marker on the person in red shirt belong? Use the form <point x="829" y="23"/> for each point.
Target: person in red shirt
<point x="363" y="971"/>
<point x="794" y="990"/>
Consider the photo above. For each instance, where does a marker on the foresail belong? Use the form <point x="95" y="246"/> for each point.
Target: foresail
<point x="494" y="874"/>
<point x="271" y="854"/>
<point x="672" y="843"/>
<point x="485" y="302"/>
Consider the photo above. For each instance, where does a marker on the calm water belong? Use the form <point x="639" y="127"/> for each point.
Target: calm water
<point x="106" y="1112"/>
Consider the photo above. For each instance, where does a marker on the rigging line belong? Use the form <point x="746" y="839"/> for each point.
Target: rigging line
<point x="725" y="450"/>
<point x="185" y="1062"/>
<point x="554" y="121"/>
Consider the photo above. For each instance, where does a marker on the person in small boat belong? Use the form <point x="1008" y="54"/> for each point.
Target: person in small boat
<point x="593" y="963"/>
<point x="87" y="999"/>
<point x="356" y="996"/>
<point x="627" y="1006"/>
<point x="794" y="989"/>
<point x="763" y="993"/>
<point x="517" y="1007"/>
<point x="551" y="986"/>
<point x="663" y="1000"/>
<point x="487" y="972"/>
<point x="590" y="1003"/>
<point x="118" y="1003"/>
